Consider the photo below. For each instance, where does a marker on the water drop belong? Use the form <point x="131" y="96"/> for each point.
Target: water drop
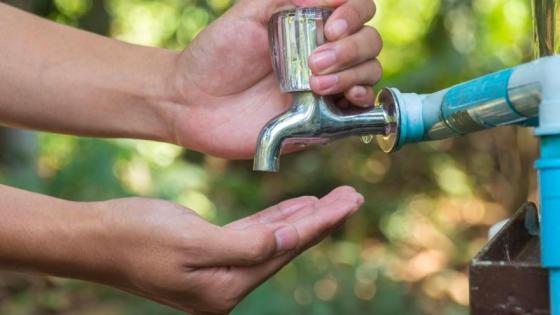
<point x="367" y="139"/>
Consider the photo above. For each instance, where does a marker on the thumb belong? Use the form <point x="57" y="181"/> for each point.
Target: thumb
<point x="250" y="246"/>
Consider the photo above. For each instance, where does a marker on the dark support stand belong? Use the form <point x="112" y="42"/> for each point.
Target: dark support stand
<point x="506" y="277"/>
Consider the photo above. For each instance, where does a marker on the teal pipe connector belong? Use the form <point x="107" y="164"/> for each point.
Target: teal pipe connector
<point x="554" y="291"/>
<point x="549" y="180"/>
<point x="546" y="35"/>
<point x="508" y="97"/>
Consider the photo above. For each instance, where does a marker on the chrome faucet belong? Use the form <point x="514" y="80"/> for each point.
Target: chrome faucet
<point x="312" y="119"/>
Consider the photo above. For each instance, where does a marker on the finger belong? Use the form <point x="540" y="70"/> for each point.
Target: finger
<point x="349" y="18"/>
<point x="319" y="205"/>
<point x="345" y="53"/>
<point x="360" y="95"/>
<point x="367" y="73"/>
<point x="312" y="207"/>
<point x="275" y="213"/>
<point x="260" y="242"/>
<point x="329" y="212"/>
<point x="326" y="213"/>
<point x="220" y="247"/>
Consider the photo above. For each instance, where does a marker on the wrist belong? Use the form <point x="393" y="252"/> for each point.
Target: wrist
<point x="75" y="235"/>
<point x="82" y="252"/>
<point x="155" y="90"/>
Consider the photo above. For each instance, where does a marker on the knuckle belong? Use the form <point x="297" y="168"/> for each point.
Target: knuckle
<point x="346" y="79"/>
<point x="310" y="199"/>
<point x="373" y="35"/>
<point x="369" y="32"/>
<point x="370" y="9"/>
<point x="345" y="189"/>
<point x="377" y="71"/>
<point x="378" y="67"/>
<point x="373" y="39"/>
<point x="378" y="39"/>
<point x="349" y="52"/>
<point x="349" y="78"/>
<point x="378" y="36"/>
<point x="260" y="249"/>
<point x="358" y="14"/>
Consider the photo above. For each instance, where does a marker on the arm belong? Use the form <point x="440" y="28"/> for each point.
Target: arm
<point x="56" y="78"/>
<point x="36" y="234"/>
<point x="159" y="250"/>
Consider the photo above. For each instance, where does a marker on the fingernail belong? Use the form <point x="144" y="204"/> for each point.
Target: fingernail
<point x="323" y="59"/>
<point x="286" y="238"/>
<point x="359" y="91"/>
<point x="338" y="27"/>
<point x="360" y="199"/>
<point x="359" y="202"/>
<point x="326" y="82"/>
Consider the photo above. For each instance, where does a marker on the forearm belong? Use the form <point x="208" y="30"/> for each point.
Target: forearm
<point x="60" y="79"/>
<point x="52" y="236"/>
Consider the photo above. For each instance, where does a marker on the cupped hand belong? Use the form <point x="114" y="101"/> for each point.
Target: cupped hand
<point x="168" y="254"/>
<point x="227" y="91"/>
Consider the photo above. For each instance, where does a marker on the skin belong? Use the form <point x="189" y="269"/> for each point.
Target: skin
<point x="248" y="87"/>
<point x="160" y="250"/>
<point x="64" y="80"/>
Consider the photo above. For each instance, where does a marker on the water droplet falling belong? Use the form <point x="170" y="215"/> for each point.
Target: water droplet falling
<point x="367" y="139"/>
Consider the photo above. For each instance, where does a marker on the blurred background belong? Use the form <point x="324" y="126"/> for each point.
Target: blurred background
<point x="428" y="207"/>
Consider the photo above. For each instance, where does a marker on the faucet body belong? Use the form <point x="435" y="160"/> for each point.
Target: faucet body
<point x="312" y="119"/>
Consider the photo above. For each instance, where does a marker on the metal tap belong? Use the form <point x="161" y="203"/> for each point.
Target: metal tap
<point x="312" y="119"/>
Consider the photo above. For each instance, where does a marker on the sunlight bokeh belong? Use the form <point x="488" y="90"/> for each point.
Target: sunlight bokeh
<point x="428" y="207"/>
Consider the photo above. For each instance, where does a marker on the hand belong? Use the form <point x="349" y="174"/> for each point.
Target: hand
<point x="226" y="85"/>
<point x="167" y="253"/>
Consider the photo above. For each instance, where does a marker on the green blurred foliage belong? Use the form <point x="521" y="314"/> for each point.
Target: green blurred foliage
<point x="428" y="207"/>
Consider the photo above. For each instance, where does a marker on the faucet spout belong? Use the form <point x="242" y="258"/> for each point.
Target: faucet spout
<point x="312" y="120"/>
<point x="274" y="135"/>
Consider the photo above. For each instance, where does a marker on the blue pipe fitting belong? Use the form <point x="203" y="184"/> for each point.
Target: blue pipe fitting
<point x="549" y="180"/>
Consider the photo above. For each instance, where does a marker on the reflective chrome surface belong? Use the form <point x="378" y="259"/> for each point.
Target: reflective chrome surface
<point x="293" y="36"/>
<point x="545" y="27"/>
<point x="484" y="115"/>
<point x="312" y="119"/>
<point x="526" y="98"/>
<point x="388" y="142"/>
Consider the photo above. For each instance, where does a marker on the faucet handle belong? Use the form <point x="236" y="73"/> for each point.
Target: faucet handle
<point x="293" y="36"/>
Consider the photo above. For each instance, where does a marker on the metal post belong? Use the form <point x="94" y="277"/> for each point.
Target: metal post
<point x="545" y="44"/>
<point x="545" y="27"/>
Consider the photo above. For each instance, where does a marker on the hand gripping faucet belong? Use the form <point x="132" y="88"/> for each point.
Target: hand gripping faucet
<point x="507" y="97"/>
<point x="312" y="119"/>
